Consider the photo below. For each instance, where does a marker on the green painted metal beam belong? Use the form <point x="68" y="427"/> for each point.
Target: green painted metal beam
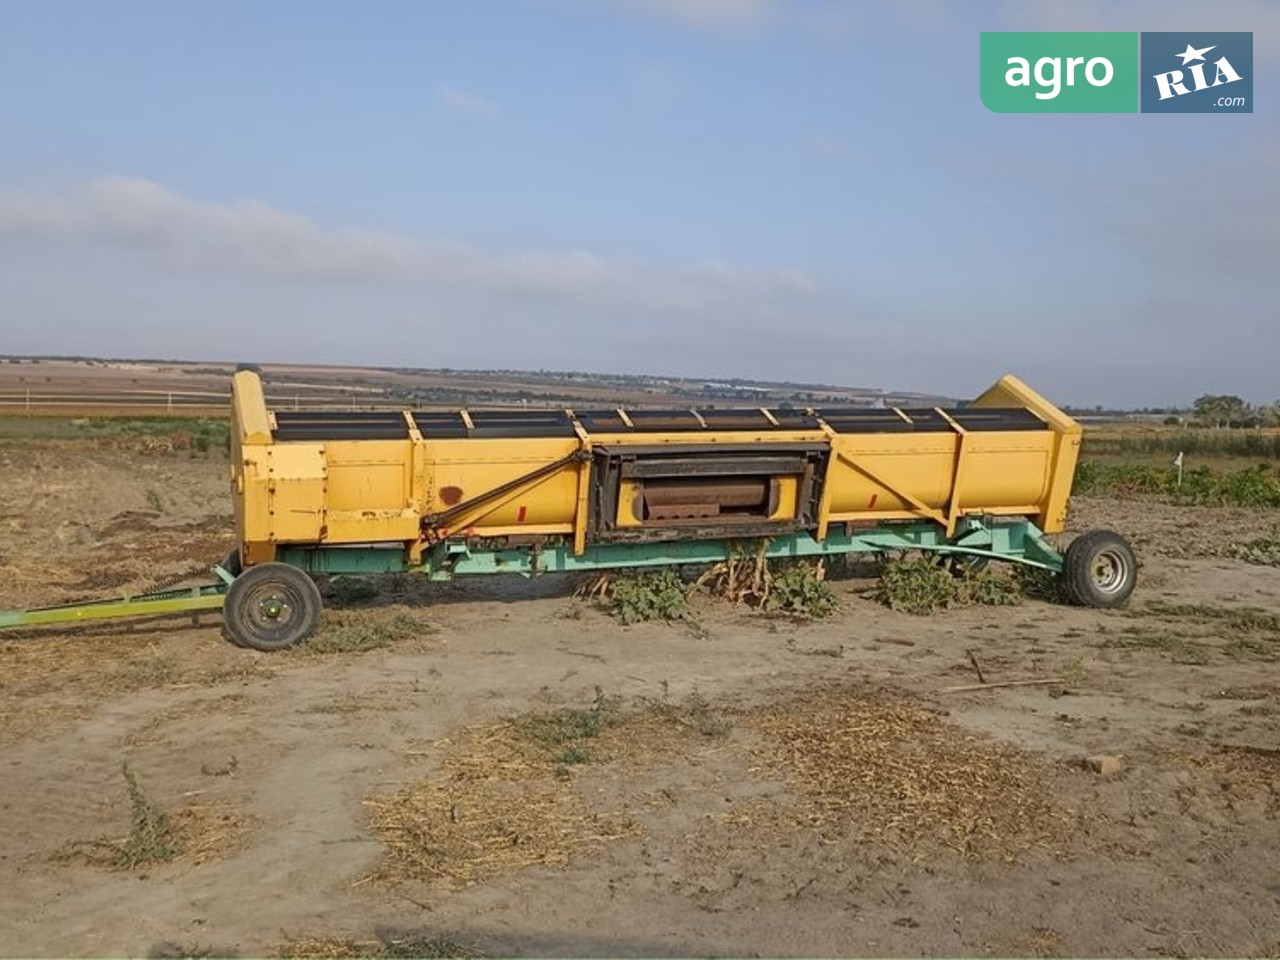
<point x="338" y="560"/>
<point x="1017" y="542"/>
<point x="208" y="597"/>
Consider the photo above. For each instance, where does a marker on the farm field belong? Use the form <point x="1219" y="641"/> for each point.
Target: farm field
<point x="82" y="387"/>
<point x="501" y="768"/>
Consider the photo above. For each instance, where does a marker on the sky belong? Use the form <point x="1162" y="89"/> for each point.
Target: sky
<point x="804" y="190"/>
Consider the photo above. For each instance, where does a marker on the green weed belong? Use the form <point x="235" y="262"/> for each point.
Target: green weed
<point x="1177" y="648"/>
<point x="652" y="595"/>
<point x="151" y="836"/>
<point x="990" y="588"/>
<point x="916" y="585"/>
<point x="1250" y="648"/>
<point x="694" y="713"/>
<point x="1217" y="444"/>
<point x="798" y="590"/>
<point x="1257" y="486"/>
<point x="563" y="733"/>
<point x="1264" y="551"/>
<point x="1039" y="583"/>
<point x="920" y="585"/>
<point x="1233" y="618"/>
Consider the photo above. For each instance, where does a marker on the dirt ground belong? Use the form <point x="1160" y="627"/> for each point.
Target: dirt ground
<point x="761" y="786"/>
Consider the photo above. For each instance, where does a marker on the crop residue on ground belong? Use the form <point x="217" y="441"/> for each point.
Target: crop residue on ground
<point x="492" y="807"/>
<point x="889" y="770"/>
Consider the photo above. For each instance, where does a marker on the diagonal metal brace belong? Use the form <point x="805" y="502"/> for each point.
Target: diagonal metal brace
<point x="445" y="517"/>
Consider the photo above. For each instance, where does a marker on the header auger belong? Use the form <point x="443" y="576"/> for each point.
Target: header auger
<point x="474" y="492"/>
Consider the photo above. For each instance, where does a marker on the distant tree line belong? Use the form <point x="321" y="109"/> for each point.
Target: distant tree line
<point x="1225" y="411"/>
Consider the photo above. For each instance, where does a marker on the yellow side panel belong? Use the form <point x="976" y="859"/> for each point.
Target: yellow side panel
<point x="877" y="472"/>
<point x="370" y="474"/>
<point x="464" y="469"/>
<point x="1000" y="470"/>
<point x="296" y="491"/>
<point x="370" y="526"/>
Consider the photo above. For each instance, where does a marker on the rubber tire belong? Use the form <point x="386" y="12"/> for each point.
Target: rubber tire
<point x="296" y="589"/>
<point x="1078" y="563"/>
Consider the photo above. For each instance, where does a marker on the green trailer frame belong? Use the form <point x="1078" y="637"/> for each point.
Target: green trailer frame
<point x="1018" y="541"/>
<point x="274" y="605"/>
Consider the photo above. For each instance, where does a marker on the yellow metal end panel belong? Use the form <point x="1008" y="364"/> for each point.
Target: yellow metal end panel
<point x="629" y="504"/>
<point x="1009" y="391"/>
<point x="249" y="493"/>
<point x="788" y="498"/>
<point x="1053" y="516"/>
<point x="249" y="421"/>
<point x="296" y="491"/>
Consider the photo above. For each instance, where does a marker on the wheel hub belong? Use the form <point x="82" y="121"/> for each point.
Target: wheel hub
<point x="1110" y="571"/>
<point x="270" y="605"/>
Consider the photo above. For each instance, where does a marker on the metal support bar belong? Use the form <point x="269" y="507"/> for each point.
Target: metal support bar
<point x="1016" y="542"/>
<point x="207" y="597"/>
<point x="913" y="502"/>
<point x="510" y="488"/>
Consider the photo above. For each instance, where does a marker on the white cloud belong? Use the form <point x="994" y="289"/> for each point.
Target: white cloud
<point x="1261" y="17"/>
<point x="661" y="86"/>
<point x="829" y="148"/>
<point x="251" y="237"/>
<point x="711" y="14"/>
<point x="461" y="101"/>
<point x="831" y="21"/>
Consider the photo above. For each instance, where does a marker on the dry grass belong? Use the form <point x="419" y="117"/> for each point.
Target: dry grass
<point x="658" y="730"/>
<point x="1244" y="770"/>
<point x="494" y="806"/>
<point x="355" y="631"/>
<point x="506" y="796"/>
<point x="388" y="944"/>
<point x="207" y="832"/>
<point x="863" y="764"/>
<point x="1040" y="942"/>
<point x="195" y="834"/>
<point x="49" y="679"/>
<point x="888" y="770"/>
